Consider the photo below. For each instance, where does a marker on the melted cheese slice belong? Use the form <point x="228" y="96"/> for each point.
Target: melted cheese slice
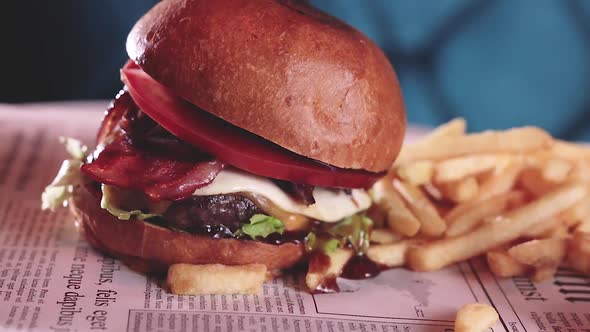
<point x="330" y="205"/>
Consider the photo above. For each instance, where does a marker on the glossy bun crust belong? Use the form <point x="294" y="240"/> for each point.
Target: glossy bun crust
<point x="152" y="249"/>
<point x="280" y="69"/>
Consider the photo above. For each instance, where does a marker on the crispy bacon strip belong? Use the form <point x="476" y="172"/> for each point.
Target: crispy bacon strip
<point x="141" y="155"/>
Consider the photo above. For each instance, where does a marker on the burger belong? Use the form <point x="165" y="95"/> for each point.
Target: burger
<point x="247" y="132"/>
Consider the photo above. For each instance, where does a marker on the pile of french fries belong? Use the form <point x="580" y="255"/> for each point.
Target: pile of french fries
<point x="519" y="197"/>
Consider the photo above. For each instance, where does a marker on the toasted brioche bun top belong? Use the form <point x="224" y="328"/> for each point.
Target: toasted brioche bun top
<point x="280" y="69"/>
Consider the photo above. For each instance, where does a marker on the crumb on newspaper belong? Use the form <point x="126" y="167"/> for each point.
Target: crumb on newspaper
<point x="475" y="317"/>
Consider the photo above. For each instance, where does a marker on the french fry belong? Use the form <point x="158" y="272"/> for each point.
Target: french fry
<point x="455" y="127"/>
<point x="570" y="151"/>
<point x="440" y="253"/>
<point x="461" y="167"/>
<point x="390" y="255"/>
<point x="579" y="251"/>
<point x="556" y="170"/>
<point x="493" y="188"/>
<point x="583" y="226"/>
<point x="577" y="213"/>
<point x="545" y="228"/>
<point x="503" y="265"/>
<point x="416" y="173"/>
<point x="544" y="273"/>
<point x="539" y="253"/>
<point x="433" y="192"/>
<point x="384" y="236"/>
<point x="515" y="140"/>
<point x="399" y="218"/>
<point x="544" y="255"/>
<point x="501" y="180"/>
<point x="465" y="217"/>
<point x="216" y="279"/>
<point x="532" y="180"/>
<point x="475" y="317"/>
<point x="319" y="272"/>
<point x="581" y="171"/>
<point x="460" y="191"/>
<point x="431" y="224"/>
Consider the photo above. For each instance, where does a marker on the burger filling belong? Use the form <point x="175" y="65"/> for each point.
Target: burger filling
<point x="146" y="173"/>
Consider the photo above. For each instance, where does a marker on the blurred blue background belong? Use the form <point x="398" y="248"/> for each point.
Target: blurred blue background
<point x="498" y="63"/>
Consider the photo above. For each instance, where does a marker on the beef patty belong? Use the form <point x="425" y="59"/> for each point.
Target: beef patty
<point x="216" y="215"/>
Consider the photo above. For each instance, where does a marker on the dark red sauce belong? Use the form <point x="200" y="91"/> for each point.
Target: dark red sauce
<point x="318" y="262"/>
<point x="360" y="267"/>
<point x="286" y="237"/>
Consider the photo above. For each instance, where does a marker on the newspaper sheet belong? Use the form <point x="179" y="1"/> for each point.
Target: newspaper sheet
<point x="52" y="280"/>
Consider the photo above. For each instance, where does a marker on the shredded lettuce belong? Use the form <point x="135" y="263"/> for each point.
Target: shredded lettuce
<point x="107" y="203"/>
<point x="353" y="231"/>
<point x="60" y="190"/>
<point x="74" y="147"/>
<point x="323" y="244"/>
<point x="262" y="225"/>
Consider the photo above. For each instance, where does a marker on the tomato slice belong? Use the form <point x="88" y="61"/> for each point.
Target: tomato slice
<point x="231" y="144"/>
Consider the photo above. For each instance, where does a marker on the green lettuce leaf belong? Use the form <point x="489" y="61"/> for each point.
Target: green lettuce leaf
<point x="107" y="203"/>
<point x="262" y="225"/>
<point x="60" y="190"/>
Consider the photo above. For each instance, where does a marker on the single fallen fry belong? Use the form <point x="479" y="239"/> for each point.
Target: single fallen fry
<point x="416" y="173"/>
<point x="440" y="253"/>
<point x="384" y="236"/>
<point x="399" y="217"/>
<point x="556" y="170"/>
<point x="431" y="224"/>
<point x="458" y="168"/>
<point x="320" y="271"/>
<point x="579" y="251"/>
<point x="460" y="191"/>
<point x="216" y="279"/>
<point x="466" y="217"/>
<point x="515" y="140"/>
<point x="390" y="255"/>
<point x="475" y="317"/>
<point x="539" y="253"/>
<point x="503" y="265"/>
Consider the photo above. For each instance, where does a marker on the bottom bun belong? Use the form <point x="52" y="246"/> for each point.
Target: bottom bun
<point x="151" y="249"/>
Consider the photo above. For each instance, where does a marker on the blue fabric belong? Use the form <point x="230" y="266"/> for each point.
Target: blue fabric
<point x="498" y="63"/>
